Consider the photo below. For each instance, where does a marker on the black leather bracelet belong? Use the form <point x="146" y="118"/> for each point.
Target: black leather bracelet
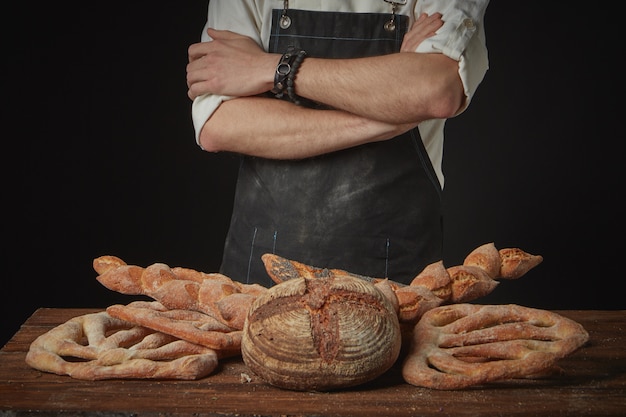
<point x="283" y="69"/>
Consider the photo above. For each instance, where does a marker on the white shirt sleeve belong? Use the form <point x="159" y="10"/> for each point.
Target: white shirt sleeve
<point x="462" y="38"/>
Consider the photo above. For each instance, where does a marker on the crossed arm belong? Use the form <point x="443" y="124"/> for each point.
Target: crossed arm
<point x="373" y="98"/>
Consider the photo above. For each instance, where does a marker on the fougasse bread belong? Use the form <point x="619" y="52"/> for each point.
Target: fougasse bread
<point x="461" y="345"/>
<point x="97" y="346"/>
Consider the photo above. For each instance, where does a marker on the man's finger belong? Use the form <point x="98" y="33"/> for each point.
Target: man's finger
<point x="222" y="34"/>
<point x="197" y="50"/>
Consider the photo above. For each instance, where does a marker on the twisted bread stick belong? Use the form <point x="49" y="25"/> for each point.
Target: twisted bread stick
<point x="476" y="278"/>
<point x="181" y="288"/>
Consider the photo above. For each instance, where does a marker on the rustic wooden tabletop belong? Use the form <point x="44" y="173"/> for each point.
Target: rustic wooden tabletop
<point x="593" y="383"/>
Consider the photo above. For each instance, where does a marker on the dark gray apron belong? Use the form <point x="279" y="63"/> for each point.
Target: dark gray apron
<point x="373" y="210"/>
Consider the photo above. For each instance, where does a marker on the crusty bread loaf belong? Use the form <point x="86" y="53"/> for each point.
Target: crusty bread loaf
<point x="321" y="333"/>
<point x="460" y="345"/>
<point x="117" y="349"/>
<point x="181" y="288"/>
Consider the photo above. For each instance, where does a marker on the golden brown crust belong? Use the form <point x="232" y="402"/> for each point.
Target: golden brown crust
<point x="213" y="294"/>
<point x="321" y="333"/>
<point x="387" y="289"/>
<point x="435" y="285"/>
<point x="414" y="301"/>
<point x="107" y="262"/>
<point x="210" y="310"/>
<point x="469" y="283"/>
<point x="485" y="257"/>
<point x="281" y="269"/>
<point x="436" y="278"/>
<point x="107" y="348"/>
<point x="192" y="326"/>
<point x="516" y="262"/>
<point x="461" y="345"/>
<point x="125" y="279"/>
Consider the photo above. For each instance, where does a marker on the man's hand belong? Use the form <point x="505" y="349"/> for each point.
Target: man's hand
<point x="423" y="28"/>
<point x="230" y="64"/>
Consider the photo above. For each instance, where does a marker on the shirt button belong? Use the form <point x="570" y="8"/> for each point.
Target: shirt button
<point x="468" y="23"/>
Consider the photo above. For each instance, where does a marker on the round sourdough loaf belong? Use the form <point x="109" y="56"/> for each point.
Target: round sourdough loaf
<point x="322" y="333"/>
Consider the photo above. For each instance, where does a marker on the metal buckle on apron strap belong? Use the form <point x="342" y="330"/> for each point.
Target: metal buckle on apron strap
<point x="390" y="26"/>
<point x="285" y="21"/>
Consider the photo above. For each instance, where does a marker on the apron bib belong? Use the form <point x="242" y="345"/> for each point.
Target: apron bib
<point x="373" y="210"/>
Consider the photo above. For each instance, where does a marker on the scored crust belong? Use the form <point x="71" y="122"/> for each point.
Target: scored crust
<point x="461" y="345"/>
<point x="516" y="262"/>
<point x="469" y="283"/>
<point x="485" y="257"/>
<point x="98" y="346"/>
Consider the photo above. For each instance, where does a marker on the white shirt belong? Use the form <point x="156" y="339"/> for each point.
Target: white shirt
<point x="462" y="38"/>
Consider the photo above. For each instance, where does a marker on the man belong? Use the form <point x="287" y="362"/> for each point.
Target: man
<point x="338" y="111"/>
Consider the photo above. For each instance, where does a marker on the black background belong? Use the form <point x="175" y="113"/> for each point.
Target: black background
<point x="99" y="155"/>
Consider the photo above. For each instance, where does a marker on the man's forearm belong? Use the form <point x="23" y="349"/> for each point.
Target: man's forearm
<point x="276" y="129"/>
<point x="396" y="88"/>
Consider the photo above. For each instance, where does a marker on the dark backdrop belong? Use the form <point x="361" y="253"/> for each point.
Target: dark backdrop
<point x="99" y="155"/>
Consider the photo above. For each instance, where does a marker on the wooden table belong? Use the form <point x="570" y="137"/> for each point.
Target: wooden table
<point x="593" y="384"/>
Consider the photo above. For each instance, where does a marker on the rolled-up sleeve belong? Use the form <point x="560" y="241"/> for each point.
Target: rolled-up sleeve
<point x="237" y="16"/>
<point x="462" y="38"/>
<point x="202" y="108"/>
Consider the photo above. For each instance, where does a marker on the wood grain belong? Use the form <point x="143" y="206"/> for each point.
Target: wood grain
<point x="593" y="383"/>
